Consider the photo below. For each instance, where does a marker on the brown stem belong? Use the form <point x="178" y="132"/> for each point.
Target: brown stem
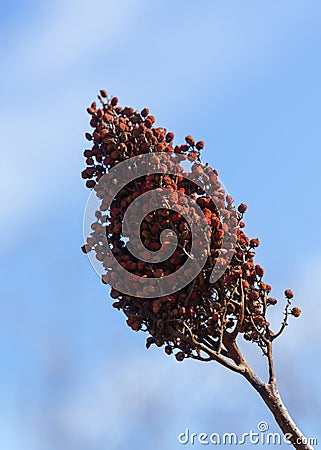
<point x="269" y="393"/>
<point x="241" y="314"/>
<point x="233" y="349"/>
<point x="272" y="379"/>
<point x="285" y="320"/>
<point x="272" y="399"/>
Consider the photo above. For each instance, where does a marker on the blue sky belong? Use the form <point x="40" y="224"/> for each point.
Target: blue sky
<point x="242" y="76"/>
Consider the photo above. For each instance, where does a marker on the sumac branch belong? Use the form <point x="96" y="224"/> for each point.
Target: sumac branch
<point x="202" y="320"/>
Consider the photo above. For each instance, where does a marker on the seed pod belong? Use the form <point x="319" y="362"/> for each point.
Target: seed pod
<point x="219" y="234"/>
<point x="169" y="137"/>
<point x="156" y="306"/>
<point x="246" y="284"/>
<point x="114" y="101"/>
<point x="103" y="93"/>
<point x="190" y="140"/>
<point x="242" y="208"/>
<point x="259" y="270"/>
<point x="288" y="293"/>
<point x="272" y="301"/>
<point x="168" y="350"/>
<point x="149" y="341"/>
<point x="215" y="316"/>
<point x="296" y="311"/>
<point x="90" y="184"/>
<point x="180" y="356"/>
<point x="199" y="145"/>
<point x="85" y="248"/>
<point x="254" y="242"/>
<point x="144" y="112"/>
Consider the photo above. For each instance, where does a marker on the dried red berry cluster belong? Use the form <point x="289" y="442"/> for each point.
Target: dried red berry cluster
<point x="213" y="313"/>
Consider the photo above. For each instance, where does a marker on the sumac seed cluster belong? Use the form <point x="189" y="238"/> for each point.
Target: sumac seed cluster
<point x="236" y="303"/>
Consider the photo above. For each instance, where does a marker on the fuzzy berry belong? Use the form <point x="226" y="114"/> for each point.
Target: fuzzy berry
<point x="254" y="242"/>
<point x="199" y="145"/>
<point x="295" y="311"/>
<point x="288" y="293"/>
<point x="242" y="208"/>
<point x="114" y="101"/>
<point x="189" y="140"/>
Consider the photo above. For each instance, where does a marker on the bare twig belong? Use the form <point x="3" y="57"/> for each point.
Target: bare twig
<point x="241" y="314"/>
<point x="216" y="356"/>
<point x="285" y="321"/>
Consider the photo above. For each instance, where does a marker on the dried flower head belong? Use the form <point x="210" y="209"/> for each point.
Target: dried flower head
<point x="212" y="314"/>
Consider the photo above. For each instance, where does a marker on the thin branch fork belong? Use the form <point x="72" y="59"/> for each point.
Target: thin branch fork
<point x="285" y="321"/>
<point x="215" y="355"/>
<point x="268" y="391"/>
<point x="241" y="315"/>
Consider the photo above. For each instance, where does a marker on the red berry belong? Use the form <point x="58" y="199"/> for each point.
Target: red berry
<point x="199" y="145"/>
<point x="246" y="284"/>
<point x="242" y="208"/>
<point x="85" y="248"/>
<point x="180" y="356"/>
<point x="254" y="242"/>
<point x="114" y="101"/>
<point x="254" y="295"/>
<point x="168" y="350"/>
<point x="90" y="184"/>
<point x="288" y="293"/>
<point x="295" y="311"/>
<point x="190" y="140"/>
<point x="259" y="270"/>
<point x="103" y="93"/>
<point x="169" y="137"/>
<point x="144" y="112"/>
